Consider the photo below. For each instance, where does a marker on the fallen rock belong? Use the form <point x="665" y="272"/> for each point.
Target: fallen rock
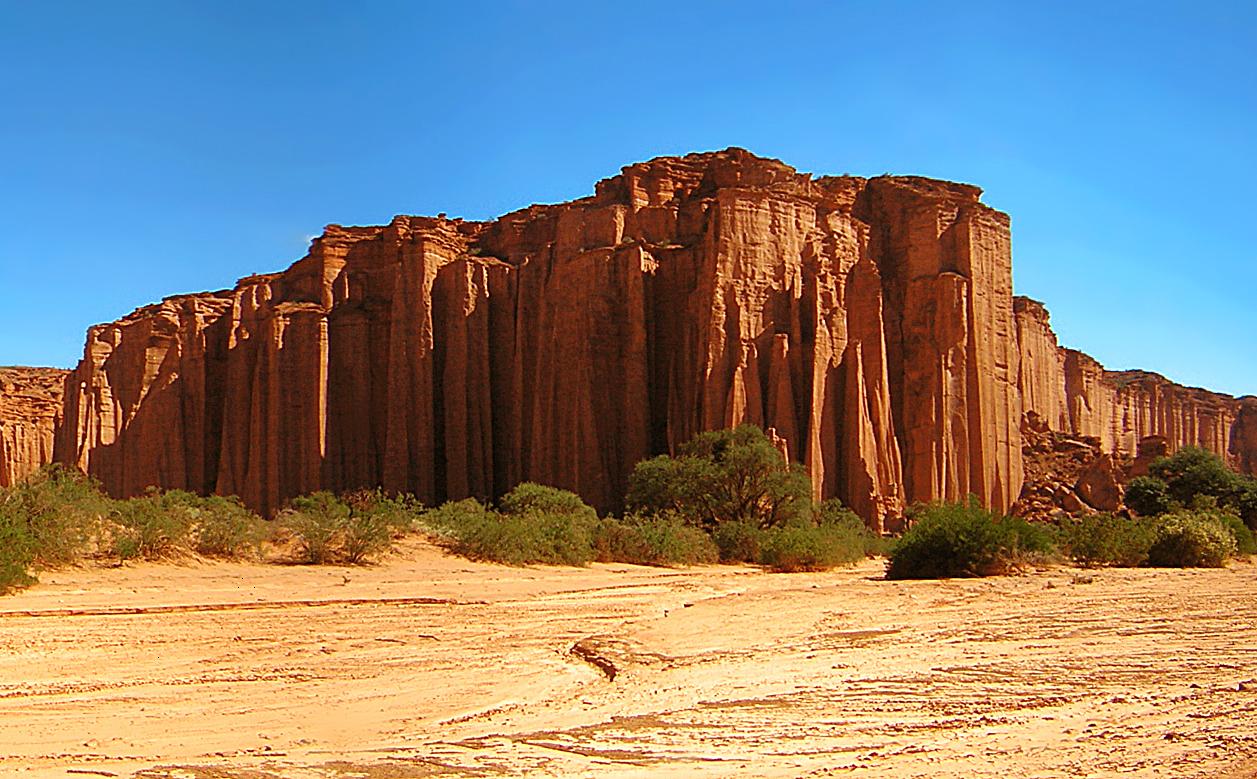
<point x="1100" y="486"/>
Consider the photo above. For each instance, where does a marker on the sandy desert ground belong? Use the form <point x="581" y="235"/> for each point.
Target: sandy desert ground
<point x="428" y="665"/>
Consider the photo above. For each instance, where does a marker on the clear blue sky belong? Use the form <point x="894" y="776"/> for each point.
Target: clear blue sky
<point x="156" y="148"/>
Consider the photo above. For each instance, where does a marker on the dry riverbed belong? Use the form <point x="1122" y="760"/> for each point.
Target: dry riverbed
<point x="429" y="665"/>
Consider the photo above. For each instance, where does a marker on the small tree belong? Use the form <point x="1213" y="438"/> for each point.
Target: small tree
<point x="1148" y="496"/>
<point x="1192" y="471"/>
<point x="723" y="476"/>
<point x="1246" y="501"/>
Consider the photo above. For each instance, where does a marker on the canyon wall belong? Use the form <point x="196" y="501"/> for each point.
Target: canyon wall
<point x="869" y="322"/>
<point x="1070" y="392"/>
<point x="30" y="413"/>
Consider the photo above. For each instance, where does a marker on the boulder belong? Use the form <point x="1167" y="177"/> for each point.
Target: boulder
<point x="1100" y="484"/>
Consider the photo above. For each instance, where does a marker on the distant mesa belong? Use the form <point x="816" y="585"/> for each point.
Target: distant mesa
<point x="870" y="322"/>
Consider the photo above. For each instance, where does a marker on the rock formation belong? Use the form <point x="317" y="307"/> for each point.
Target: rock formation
<point x="1128" y="414"/>
<point x="868" y="321"/>
<point x="30" y="411"/>
<point x="1074" y="394"/>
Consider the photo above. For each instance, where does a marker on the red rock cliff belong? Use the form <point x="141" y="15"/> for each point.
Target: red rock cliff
<point x="30" y="411"/>
<point x="870" y="322"/>
<point x="1073" y="393"/>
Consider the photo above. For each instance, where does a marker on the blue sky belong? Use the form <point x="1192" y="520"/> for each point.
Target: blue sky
<point x="148" y="149"/>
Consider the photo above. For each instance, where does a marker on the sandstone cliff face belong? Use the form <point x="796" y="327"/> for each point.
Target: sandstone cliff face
<point x="1041" y="366"/>
<point x="30" y="412"/>
<point x="1073" y="394"/>
<point x="869" y="322"/>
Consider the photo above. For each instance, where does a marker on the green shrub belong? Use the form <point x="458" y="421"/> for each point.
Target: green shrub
<point x="61" y="509"/>
<point x="738" y="542"/>
<point x="564" y="536"/>
<point x="1246" y="501"/>
<point x="317" y="522"/>
<point x="1192" y="474"/>
<point x="449" y="518"/>
<point x="653" y="540"/>
<point x="805" y="547"/>
<point x="1103" y="539"/>
<point x="1148" y="496"/>
<point x="956" y="539"/>
<point x="375" y="519"/>
<point x="1186" y="539"/>
<point x="366" y="535"/>
<point x="1206" y="507"/>
<point x="1245" y="541"/>
<point x="1192" y="471"/>
<point x="17" y="551"/>
<point x="400" y="513"/>
<point x="723" y="476"/>
<point x="154" y="526"/>
<point x="225" y="528"/>
<point x="832" y="513"/>
<point x="529" y="497"/>
<point x="349" y="529"/>
<point x="554" y="539"/>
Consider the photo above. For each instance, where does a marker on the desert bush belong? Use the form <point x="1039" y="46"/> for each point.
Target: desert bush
<point x="1245" y="501"/>
<point x="1186" y="539"/>
<point x="225" y="528"/>
<point x="61" y="510"/>
<point x="556" y="539"/>
<point x="401" y="513"/>
<point x="653" y="540"/>
<point x="832" y="513"/>
<point x="538" y="525"/>
<point x="365" y="535"/>
<point x="723" y="476"/>
<point x="532" y="498"/>
<point x="347" y="529"/>
<point x="1103" y="539"/>
<point x="738" y="542"/>
<point x="154" y="526"/>
<point x="1245" y="541"/>
<point x="447" y="519"/>
<point x="317" y="522"/>
<point x="1191" y="472"/>
<point x="807" y="547"/>
<point x="1148" y="496"/>
<point x="375" y="519"/>
<point x="963" y="539"/>
<point x="17" y="550"/>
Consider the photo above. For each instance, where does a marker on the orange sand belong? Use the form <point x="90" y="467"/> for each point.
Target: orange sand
<point x="428" y="665"/>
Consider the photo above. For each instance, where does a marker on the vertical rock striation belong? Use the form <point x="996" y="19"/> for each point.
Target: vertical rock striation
<point x="1072" y="393"/>
<point x="1041" y="366"/>
<point x="869" y="322"/>
<point x="30" y="412"/>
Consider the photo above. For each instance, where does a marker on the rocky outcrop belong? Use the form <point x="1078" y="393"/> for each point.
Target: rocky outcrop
<point x="1115" y="416"/>
<point x="1074" y="394"/>
<point x="868" y="322"/>
<point x="1100" y="484"/>
<point x="30" y="412"/>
